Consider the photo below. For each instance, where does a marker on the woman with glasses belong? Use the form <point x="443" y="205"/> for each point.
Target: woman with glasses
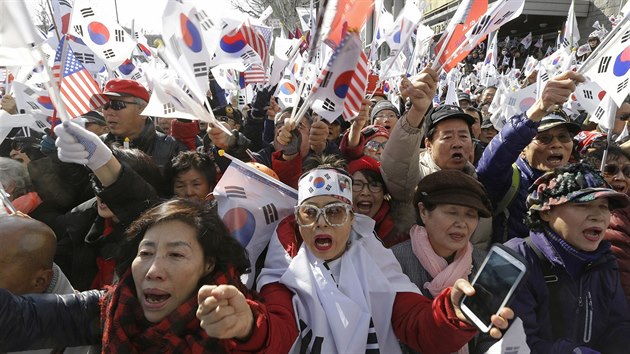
<point x="448" y="205"/>
<point x="370" y="197"/>
<point x="347" y="290"/>
<point x="528" y="145"/>
<point x="617" y="175"/>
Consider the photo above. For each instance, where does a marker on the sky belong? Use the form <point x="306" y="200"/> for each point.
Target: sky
<point x="147" y="13"/>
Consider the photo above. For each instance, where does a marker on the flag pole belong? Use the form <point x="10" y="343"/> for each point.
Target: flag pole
<point x="52" y="16"/>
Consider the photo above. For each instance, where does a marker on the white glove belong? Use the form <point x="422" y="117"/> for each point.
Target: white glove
<point x="77" y="145"/>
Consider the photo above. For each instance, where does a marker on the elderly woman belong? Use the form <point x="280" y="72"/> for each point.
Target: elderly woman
<point x="152" y="308"/>
<point x="572" y="300"/>
<point x="17" y="183"/>
<point x="449" y="204"/>
<point x="349" y="293"/>
<point x="192" y="174"/>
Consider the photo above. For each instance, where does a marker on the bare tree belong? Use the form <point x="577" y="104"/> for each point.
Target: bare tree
<point x="42" y="16"/>
<point x="284" y="10"/>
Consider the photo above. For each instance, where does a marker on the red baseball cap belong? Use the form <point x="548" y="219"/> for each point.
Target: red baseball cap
<point x="125" y="87"/>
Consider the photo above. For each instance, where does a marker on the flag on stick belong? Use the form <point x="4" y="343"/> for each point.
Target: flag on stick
<point x="251" y="205"/>
<point x="79" y="92"/>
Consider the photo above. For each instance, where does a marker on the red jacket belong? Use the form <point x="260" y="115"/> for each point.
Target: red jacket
<point x="424" y="325"/>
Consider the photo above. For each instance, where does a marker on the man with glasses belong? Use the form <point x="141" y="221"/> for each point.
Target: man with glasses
<point x="123" y="114"/>
<point x="530" y="144"/>
<point x="384" y="113"/>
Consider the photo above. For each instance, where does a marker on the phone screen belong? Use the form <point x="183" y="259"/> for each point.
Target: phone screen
<point x="492" y="285"/>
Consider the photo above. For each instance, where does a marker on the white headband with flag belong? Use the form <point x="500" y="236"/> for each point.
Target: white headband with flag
<point x="325" y="182"/>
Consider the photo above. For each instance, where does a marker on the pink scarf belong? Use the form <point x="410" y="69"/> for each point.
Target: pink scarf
<point x="444" y="274"/>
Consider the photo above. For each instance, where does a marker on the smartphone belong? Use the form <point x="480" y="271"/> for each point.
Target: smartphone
<point x="495" y="283"/>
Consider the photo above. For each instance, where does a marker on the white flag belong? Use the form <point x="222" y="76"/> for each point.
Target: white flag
<point x="102" y="34"/>
<point x="251" y="205"/>
<point x="571" y="32"/>
<point x="611" y="65"/>
<point x="527" y="41"/>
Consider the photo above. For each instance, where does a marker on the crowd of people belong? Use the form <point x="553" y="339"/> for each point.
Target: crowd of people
<point x="116" y="244"/>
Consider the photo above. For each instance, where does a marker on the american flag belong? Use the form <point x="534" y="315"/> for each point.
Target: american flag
<point x="356" y="90"/>
<point x="79" y="92"/>
<point x="255" y="75"/>
<point x="256" y="40"/>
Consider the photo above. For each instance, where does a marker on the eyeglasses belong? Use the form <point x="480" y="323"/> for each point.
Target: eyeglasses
<point x="612" y="170"/>
<point x="546" y="139"/>
<point x="373" y="145"/>
<point x="335" y="214"/>
<point x="374" y="186"/>
<point x="117" y="105"/>
<point x="386" y="116"/>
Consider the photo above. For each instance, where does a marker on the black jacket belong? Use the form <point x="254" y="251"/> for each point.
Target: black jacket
<point x="161" y="147"/>
<point x="80" y="232"/>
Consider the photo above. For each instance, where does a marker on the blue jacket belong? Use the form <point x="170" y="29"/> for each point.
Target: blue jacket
<point x="593" y="305"/>
<point x="494" y="171"/>
<point x="49" y="320"/>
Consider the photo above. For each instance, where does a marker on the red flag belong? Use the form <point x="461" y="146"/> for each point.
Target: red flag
<point x="255" y="39"/>
<point x="351" y="16"/>
<point x="356" y="89"/>
<point x="478" y="9"/>
<point x="79" y="92"/>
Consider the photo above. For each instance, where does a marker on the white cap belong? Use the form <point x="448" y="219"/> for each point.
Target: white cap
<point x="323" y="181"/>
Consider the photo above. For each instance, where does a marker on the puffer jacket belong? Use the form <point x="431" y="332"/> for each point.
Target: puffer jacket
<point x="72" y="320"/>
<point x="161" y="147"/>
<point x="593" y="306"/>
<point x="618" y="234"/>
<point x="495" y="171"/>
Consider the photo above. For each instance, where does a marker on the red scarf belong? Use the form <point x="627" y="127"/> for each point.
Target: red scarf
<point x="125" y="329"/>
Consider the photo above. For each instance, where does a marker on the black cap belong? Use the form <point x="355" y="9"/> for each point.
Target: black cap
<point x="229" y="112"/>
<point x="463" y="96"/>
<point x="444" y="112"/>
<point x="558" y="118"/>
<point x="94" y="117"/>
<point x="487" y="123"/>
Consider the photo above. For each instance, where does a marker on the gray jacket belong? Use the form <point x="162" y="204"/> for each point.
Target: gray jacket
<point x="404" y="165"/>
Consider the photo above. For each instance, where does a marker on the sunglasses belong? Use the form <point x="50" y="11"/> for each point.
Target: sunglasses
<point x="335" y="214"/>
<point x="612" y="170"/>
<point x="546" y="139"/>
<point x="117" y="105"/>
<point x="375" y="145"/>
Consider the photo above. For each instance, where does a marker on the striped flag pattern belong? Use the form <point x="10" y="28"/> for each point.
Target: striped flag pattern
<point x="255" y="74"/>
<point x="79" y="92"/>
<point x="256" y="40"/>
<point x="356" y="90"/>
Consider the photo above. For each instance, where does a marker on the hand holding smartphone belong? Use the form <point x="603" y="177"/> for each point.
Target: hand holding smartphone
<point x="495" y="284"/>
